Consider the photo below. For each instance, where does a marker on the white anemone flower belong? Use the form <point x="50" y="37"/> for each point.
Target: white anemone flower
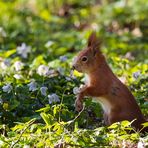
<point x="17" y="76"/>
<point x="43" y="70"/>
<point x="2" y="32"/>
<point x="53" y="98"/>
<point x="68" y="78"/>
<point x="5" y="64"/>
<point x="1" y="101"/>
<point x="140" y="145"/>
<point x="76" y="90"/>
<point x="18" y="65"/>
<point x="7" y="88"/>
<point x="63" y="58"/>
<point x="32" y="86"/>
<point x="43" y="90"/>
<point x="26" y="146"/>
<point x="48" y="44"/>
<point x="136" y="74"/>
<point x="61" y="70"/>
<point x="23" y="50"/>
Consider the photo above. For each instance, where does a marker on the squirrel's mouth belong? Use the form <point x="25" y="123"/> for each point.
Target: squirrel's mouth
<point x="79" y="70"/>
<point x="76" y="68"/>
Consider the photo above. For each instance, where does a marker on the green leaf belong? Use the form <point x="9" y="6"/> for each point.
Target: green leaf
<point x="8" y="53"/>
<point x="125" y="123"/>
<point x="58" y="127"/>
<point x="14" y="104"/>
<point x="114" y="125"/>
<point x="45" y="109"/>
<point x="145" y="124"/>
<point x="48" y="119"/>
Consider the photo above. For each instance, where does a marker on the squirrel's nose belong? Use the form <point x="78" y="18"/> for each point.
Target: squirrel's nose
<point x="73" y="67"/>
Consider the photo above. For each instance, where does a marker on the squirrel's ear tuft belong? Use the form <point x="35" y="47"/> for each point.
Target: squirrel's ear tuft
<point x="94" y="42"/>
<point x="92" y="39"/>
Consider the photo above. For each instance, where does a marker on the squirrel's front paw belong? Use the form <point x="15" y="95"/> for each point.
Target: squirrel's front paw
<point x="82" y="88"/>
<point x="78" y="105"/>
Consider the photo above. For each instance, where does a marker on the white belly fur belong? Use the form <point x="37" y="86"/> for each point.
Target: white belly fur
<point x="104" y="103"/>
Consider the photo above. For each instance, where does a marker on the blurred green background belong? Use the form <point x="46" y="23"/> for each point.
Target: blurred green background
<point x="68" y="23"/>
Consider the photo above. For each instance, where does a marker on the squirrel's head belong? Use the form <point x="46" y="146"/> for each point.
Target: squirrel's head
<point x="88" y="59"/>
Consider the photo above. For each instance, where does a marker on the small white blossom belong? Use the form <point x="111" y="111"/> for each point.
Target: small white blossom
<point x="120" y="4"/>
<point x="61" y="70"/>
<point x="129" y="56"/>
<point x="17" y="76"/>
<point x="137" y="32"/>
<point x="7" y="88"/>
<point x="63" y="58"/>
<point x="140" y="145"/>
<point x="136" y="74"/>
<point x="23" y="50"/>
<point x="43" y="70"/>
<point x="32" y="86"/>
<point x="18" y="65"/>
<point x="68" y="78"/>
<point x="76" y="90"/>
<point x="43" y="91"/>
<point x="5" y="64"/>
<point x="53" y="98"/>
<point x="1" y="143"/>
<point x="48" y="44"/>
<point x="1" y="101"/>
<point x="26" y="146"/>
<point x="51" y="72"/>
<point x="2" y="32"/>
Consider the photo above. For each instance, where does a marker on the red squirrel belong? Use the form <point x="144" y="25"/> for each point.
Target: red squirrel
<point x="117" y="101"/>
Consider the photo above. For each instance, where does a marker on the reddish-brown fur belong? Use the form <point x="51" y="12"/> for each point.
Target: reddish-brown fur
<point x="117" y="101"/>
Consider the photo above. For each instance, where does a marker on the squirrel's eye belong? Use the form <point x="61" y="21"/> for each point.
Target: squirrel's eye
<point x="84" y="59"/>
